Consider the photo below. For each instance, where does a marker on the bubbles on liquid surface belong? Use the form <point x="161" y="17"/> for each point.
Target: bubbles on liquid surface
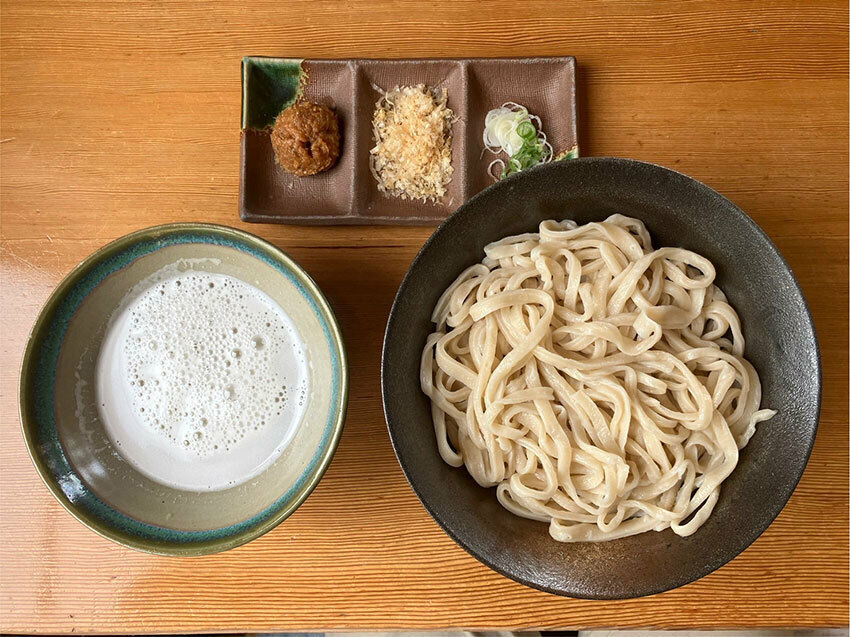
<point x="206" y="361"/>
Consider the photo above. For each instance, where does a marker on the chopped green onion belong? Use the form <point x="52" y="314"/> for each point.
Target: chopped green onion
<point x="526" y="131"/>
<point x="511" y="129"/>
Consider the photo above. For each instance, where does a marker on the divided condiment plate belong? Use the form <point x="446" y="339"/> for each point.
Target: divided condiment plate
<point x="348" y="192"/>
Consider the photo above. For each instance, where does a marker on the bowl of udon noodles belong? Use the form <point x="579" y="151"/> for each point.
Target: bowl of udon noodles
<point x="601" y="378"/>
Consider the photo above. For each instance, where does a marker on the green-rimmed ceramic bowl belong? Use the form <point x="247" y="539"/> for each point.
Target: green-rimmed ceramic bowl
<point x="68" y="443"/>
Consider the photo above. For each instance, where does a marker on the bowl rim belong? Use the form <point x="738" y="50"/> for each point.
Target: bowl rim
<point x="25" y="391"/>
<point x="560" y="165"/>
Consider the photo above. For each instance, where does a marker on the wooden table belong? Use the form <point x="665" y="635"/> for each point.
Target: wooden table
<point x="118" y="115"/>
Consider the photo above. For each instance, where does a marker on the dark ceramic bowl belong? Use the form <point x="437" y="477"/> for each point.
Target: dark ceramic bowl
<point x="781" y="344"/>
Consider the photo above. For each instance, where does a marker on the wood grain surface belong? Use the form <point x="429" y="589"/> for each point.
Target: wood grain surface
<point x="120" y="115"/>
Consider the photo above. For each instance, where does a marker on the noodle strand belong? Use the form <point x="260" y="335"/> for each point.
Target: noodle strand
<point x="599" y="384"/>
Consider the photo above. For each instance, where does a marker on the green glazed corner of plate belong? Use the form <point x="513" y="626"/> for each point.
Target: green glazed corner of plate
<point x="269" y="85"/>
<point x="572" y="153"/>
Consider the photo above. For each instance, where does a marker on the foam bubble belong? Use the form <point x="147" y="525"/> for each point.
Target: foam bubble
<point x="193" y="378"/>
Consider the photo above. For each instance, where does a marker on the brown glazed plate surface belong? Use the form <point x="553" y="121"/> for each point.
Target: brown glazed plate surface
<point x="348" y="193"/>
<point x="780" y="343"/>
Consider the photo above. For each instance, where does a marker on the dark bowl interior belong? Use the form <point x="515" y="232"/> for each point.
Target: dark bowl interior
<point x="780" y="342"/>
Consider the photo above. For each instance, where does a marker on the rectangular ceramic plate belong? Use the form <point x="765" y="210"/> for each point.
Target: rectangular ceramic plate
<point x="348" y="193"/>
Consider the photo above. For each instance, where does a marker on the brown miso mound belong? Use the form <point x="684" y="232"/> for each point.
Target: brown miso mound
<point x="305" y="138"/>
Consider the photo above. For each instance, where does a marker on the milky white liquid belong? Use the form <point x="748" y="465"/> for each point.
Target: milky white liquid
<point x="202" y="381"/>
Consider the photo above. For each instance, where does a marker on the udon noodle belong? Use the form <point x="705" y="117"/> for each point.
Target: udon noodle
<point x="599" y="384"/>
